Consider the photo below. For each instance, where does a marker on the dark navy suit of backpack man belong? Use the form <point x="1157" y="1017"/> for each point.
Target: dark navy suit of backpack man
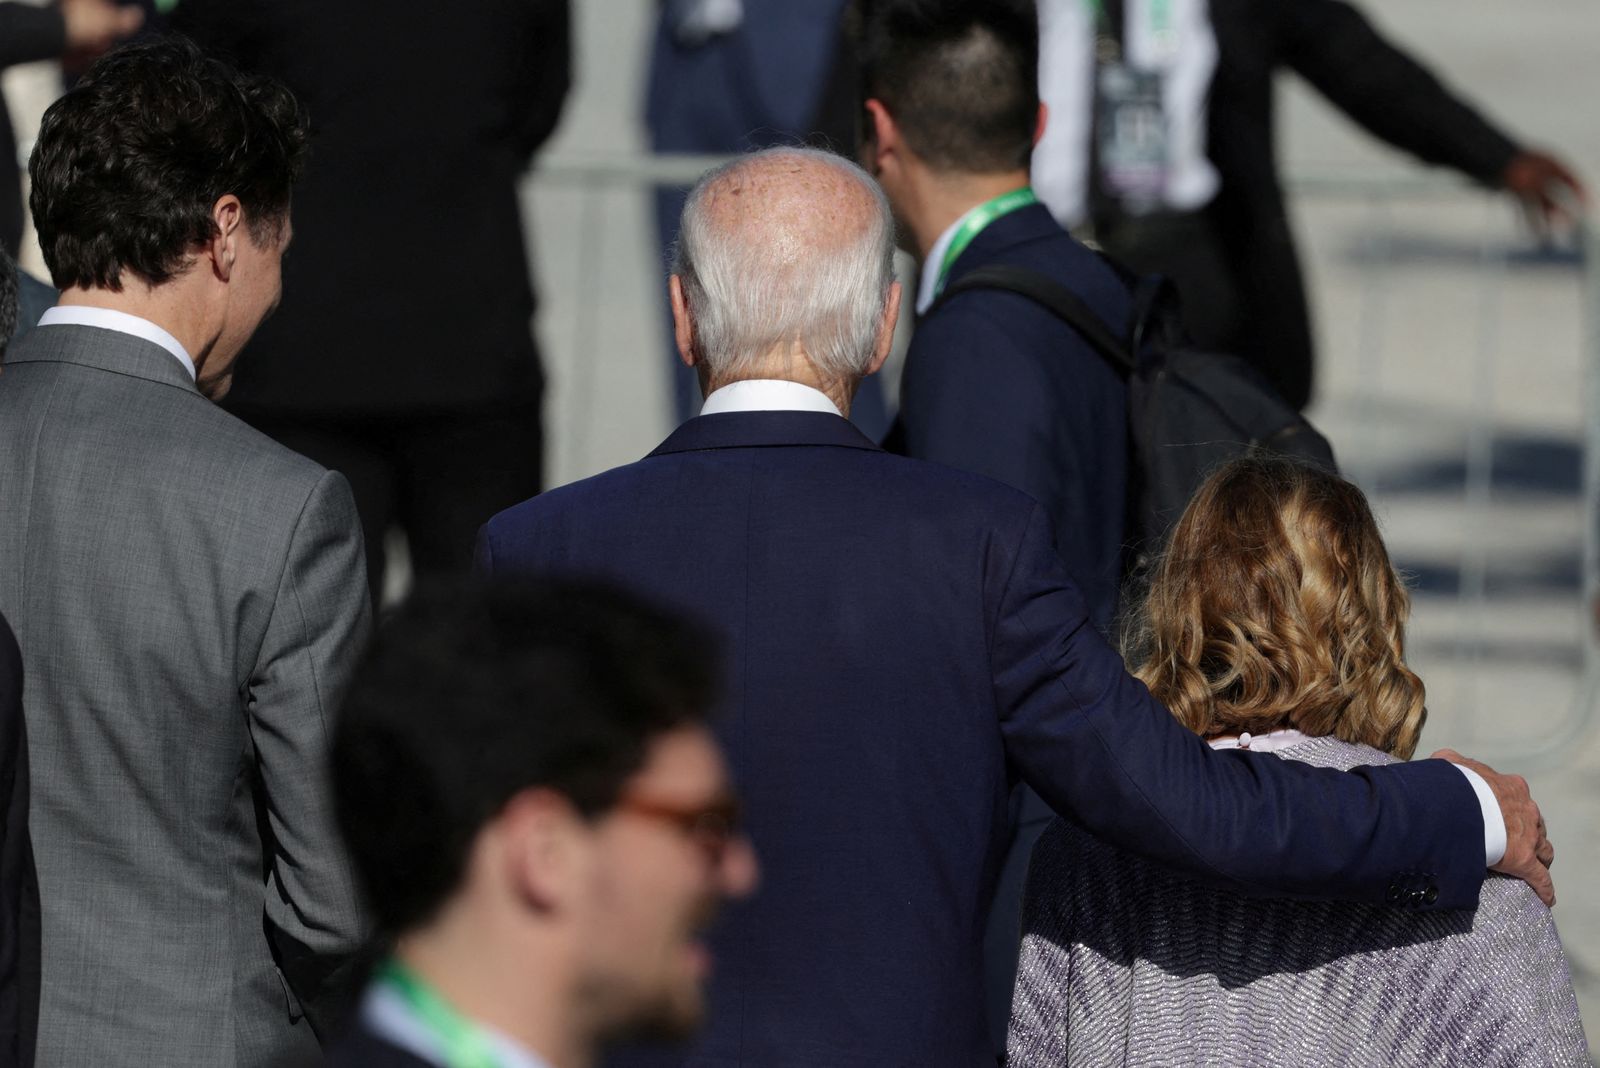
<point x="903" y="641"/>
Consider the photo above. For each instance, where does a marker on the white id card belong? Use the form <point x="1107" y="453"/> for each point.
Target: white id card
<point x="1131" y="136"/>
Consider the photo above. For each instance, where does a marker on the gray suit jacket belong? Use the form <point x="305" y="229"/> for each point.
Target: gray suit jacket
<point x="190" y="599"/>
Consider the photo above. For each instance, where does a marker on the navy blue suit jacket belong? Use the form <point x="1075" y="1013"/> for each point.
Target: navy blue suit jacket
<point x="997" y="385"/>
<point x="361" y="1048"/>
<point x="902" y="640"/>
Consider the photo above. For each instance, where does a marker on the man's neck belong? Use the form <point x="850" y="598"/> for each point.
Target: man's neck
<point x="933" y="204"/>
<point x="169" y="306"/>
<point x="791" y="365"/>
<point x="488" y="979"/>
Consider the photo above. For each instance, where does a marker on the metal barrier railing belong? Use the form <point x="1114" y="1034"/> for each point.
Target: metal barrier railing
<point x="1542" y="740"/>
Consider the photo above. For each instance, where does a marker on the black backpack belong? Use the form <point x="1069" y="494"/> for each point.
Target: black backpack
<point x="1189" y="410"/>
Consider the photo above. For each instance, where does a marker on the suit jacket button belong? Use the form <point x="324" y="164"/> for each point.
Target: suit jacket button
<point x="1431" y="895"/>
<point x="1394" y="892"/>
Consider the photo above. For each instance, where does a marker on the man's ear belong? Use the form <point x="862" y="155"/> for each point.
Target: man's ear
<point x="1040" y="123"/>
<point x="891" y="316"/>
<point x="227" y="214"/>
<point x="881" y="137"/>
<point x="541" y="849"/>
<point x="682" y="327"/>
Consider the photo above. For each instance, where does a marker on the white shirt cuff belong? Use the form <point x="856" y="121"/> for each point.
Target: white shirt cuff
<point x="1494" y="824"/>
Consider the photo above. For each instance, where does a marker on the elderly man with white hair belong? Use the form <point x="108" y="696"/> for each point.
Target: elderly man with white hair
<point x="903" y="642"/>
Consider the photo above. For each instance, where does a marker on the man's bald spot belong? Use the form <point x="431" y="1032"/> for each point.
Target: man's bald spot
<point x="790" y="204"/>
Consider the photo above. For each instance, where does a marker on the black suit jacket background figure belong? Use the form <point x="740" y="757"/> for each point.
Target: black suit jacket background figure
<point x="406" y="290"/>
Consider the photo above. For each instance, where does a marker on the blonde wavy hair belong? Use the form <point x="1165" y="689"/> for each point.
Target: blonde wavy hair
<point x="1274" y="606"/>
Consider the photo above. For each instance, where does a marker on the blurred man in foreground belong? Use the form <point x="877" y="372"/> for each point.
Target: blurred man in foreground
<point x="189" y="596"/>
<point x="542" y="821"/>
<point x="905" y="645"/>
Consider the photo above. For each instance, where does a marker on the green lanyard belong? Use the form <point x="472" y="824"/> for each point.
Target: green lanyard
<point x="975" y="220"/>
<point x="463" y="1045"/>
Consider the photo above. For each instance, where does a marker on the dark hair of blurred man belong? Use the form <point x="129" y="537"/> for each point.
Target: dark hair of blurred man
<point x="542" y="822"/>
<point x="189" y="597"/>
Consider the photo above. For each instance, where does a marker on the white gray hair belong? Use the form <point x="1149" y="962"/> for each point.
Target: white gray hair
<point x="749" y="295"/>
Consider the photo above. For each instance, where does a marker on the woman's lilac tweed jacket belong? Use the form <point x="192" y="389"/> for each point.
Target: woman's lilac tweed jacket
<point x="1126" y="963"/>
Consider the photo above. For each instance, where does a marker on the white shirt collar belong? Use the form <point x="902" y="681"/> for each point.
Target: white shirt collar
<point x="928" y="283"/>
<point x="768" y="395"/>
<point x="388" y="1016"/>
<point x="122" y="323"/>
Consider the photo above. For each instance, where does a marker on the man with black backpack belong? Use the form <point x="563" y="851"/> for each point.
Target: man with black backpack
<point x="994" y="382"/>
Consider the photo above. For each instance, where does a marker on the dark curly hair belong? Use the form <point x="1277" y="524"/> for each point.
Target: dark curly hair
<point x="130" y="162"/>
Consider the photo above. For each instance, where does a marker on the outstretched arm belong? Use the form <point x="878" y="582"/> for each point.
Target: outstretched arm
<point x="1333" y="46"/>
<point x="1091" y="740"/>
<point x="1337" y="50"/>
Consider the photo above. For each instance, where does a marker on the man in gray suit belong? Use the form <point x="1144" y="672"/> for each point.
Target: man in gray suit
<point x="189" y="596"/>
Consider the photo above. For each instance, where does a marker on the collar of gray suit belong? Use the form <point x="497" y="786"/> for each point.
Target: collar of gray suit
<point x="102" y="349"/>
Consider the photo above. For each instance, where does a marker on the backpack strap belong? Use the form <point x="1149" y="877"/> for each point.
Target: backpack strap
<point x="1057" y="298"/>
<point x="1157" y="316"/>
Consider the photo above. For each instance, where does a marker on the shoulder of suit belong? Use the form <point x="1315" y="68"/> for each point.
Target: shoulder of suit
<point x="225" y="437"/>
<point x="919" y="483"/>
<point x="585" y="496"/>
<point x="984" y="492"/>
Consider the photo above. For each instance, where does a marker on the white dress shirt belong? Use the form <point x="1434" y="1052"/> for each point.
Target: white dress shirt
<point x="928" y="283"/>
<point x="122" y="323"/>
<point x="770" y="394"/>
<point x="387" y="1015"/>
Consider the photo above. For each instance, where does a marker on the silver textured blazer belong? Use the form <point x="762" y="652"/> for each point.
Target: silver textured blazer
<point x="1126" y="963"/>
